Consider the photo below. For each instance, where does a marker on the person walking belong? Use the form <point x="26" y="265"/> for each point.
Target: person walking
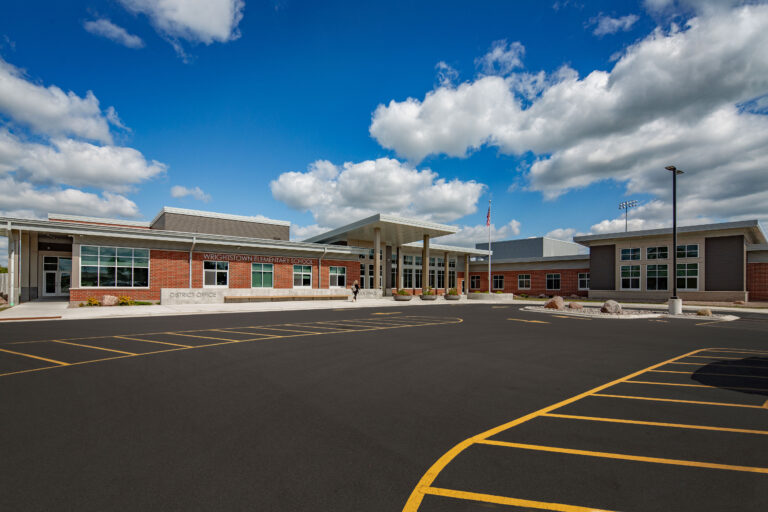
<point x="355" y="290"/>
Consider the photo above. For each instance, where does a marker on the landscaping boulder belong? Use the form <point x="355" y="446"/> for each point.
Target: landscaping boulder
<point x="740" y="302"/>
<point x="704" y="312"/>
<point x="555" y="303"/>
<point x="575" y="305"/>
<point x="612" y="307"/>
<point x="109" y="300"/>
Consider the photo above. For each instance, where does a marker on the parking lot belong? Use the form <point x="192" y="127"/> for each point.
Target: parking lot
<point x="469" y="407"/>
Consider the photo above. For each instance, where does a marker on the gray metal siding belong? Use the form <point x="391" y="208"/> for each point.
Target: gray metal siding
<point x="210" y="225"/>
<point x="602" y="267"/>
<point x="724" y="263"/>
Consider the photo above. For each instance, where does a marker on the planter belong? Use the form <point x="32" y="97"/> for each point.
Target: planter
<point x="428" y="297"/>
<point x="452" y="297"/>
<point x="402" y="298"/>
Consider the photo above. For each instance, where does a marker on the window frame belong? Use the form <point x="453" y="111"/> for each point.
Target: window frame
<point x="116" y="266"/>
<point x="631" y="252"/>
<point x="262" y="272"/>
<point x="302" y="273"/>
<point x="332" y="274"/>
<point x="689" y="251"/>
<point x="552" y="276"/>
<point x="216" y="272"/>
<point x="494" y="278"/>
<point x="523" y="277"/>
<point x="687" y="277"/>
<point x="639" y="277"/>
<point x="656" y="276"/>
<point x="579" y="279"/>
<point x="474" y="282"/>
<point x="656" y="253"/>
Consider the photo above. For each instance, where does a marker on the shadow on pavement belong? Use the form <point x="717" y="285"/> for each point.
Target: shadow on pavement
<point x="750" y="375"/>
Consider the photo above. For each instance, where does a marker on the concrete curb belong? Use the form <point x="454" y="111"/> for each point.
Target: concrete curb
<point x="723" y="318"/>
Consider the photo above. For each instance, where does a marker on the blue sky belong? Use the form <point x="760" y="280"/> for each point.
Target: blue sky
<point x="322" y="112"/>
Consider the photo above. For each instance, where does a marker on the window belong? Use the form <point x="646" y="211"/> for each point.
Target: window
<point x="261" y="275"/>
<point x="656" y="277"/>
<point x="407" y="260"/>
<point x="417" y="277"/>
<point x="417" y="261"/>
<point x="687" y="276"/>
<point x="338" y="277"/>
<point x="451" y="273"/>
<point x="370" y="276"/>
<point x="630" y="254"/>
<point x="630" y="277"/>
<point x="498" y="282"/>
<point x="553" y="281"/>
<point x="302" y="276"/>
<point x="215" y="273"/>
<point x="523" y="281"/>
<point x="474" y="281"/>
<point x="657" y="253"/>
<point x="407" y="278"/>
<point x="583" y="280"/>
<point x="113" y="267"/>
<point x="688" y="251"/>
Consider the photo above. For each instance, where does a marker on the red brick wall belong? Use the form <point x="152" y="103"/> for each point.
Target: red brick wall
<point x="757" y="281"/>
<point x="170" y="269"/>
<point x="569" y="281"/>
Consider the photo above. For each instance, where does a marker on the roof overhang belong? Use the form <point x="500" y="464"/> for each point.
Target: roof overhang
<point x="449" y="248"/>
<point x="750" y="229"/>
<point x="394" y="230"/>
<point x="79" y="229"/>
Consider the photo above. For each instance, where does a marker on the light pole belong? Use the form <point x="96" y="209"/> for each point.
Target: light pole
<point x="675" y="304"/>
<point x="626" y="205"/>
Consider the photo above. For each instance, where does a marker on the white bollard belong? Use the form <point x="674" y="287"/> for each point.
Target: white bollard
<point x="675" y="306"/>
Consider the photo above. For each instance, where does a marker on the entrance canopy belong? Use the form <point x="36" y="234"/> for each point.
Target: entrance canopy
<point x="395" y="230"/>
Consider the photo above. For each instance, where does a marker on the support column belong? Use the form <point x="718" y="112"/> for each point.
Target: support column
<point x="399" y="283"/>
<point x="466" y="274"/>
<point x="376" y="258"/>
<point x="446" y="274"/>
<point x="425" y="264"/>
<point x="11" y="267"/>
<point x="388" y="284"/>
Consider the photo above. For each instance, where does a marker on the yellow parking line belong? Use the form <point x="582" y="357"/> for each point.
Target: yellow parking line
<point x="96" y="348"/>
<point x="737" y="351"/>
<point x="528" y="321"/>
<point x="60" y="363"/>
<point x="715" y="374"/>
<point x="716" y="357"/>
<point x="392" y="313"/>
<point x="257" y="333"/>
<point x="694" y="385"/>
<point x="655" y="423"/>
<point x="728" y="365"/>
<point x="503" y="500"/>
<point x="624" y="456"/>
<point x="571" y="316"/>
<point x="198" y="336"/>
<point x="725" y="404"/>
<point x="153" y="341"/>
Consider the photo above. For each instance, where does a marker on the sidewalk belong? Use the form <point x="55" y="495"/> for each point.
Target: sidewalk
<point x="55" y="310"/>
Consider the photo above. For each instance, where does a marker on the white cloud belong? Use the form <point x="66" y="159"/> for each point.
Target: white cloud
<point x="21" y="199"/>
<point x="304" y="232"/>
<point x="446" y="74"/>
<point x="335" y="195"/>
<point x="105" y="28"/>
<point x="468" y="236"/>
<point x="196" y="193"/>
<point x="502" y="58"/>
<point x="675" y="97"/>
<point x="676" y="7"/>
<point x="49" y="110"/>
<point x="76" y="163"/>
<point x="203" y="21"/>
<point x="607" y="25"/>
<point x="565" y="234"/>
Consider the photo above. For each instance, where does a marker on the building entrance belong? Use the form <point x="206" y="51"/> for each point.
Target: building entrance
<point x="57" y="275"/>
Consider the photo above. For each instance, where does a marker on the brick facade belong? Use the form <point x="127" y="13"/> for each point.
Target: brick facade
<point x="569" y="281"/>
<point x="170" y="269"/>
<point x="757" y="281"/>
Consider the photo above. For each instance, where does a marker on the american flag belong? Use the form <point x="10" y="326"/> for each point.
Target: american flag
<point x="488" y="218"/>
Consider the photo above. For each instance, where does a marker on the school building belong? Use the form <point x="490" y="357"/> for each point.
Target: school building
<point x="190" y="256"/>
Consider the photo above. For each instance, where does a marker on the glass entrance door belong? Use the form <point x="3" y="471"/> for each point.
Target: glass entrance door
<point x="57" y="275"/>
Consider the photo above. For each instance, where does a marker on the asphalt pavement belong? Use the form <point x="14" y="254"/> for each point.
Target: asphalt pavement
<point x="455" y="407"/>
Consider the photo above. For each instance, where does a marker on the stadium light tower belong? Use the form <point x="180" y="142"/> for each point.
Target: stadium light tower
<point x="626" y="205"/>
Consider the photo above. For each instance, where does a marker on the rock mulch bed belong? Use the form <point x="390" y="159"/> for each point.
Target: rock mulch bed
<point x="626" y="314"/>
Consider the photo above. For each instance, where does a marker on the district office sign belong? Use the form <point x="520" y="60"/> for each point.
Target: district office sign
<point x="253" y="258"/>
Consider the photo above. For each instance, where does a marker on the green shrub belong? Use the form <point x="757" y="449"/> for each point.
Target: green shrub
<point x="428" y="291"/>
<point x="124" y="300"/>
<point x="498" y="291"/>
<point x="453" y="291"/>
<point x="142" y="303"/>
<point x="402" y="291"/>
<point x="92" y="301"/>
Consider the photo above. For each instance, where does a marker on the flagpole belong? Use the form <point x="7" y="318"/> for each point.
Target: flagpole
<point x="489" y="246"/>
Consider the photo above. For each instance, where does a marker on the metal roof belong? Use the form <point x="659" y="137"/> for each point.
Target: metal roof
<point x="215" y="215"/>
<point x="752" y="226"/>
<point x="449" y="248"/>
<point x="395" y="230"/>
